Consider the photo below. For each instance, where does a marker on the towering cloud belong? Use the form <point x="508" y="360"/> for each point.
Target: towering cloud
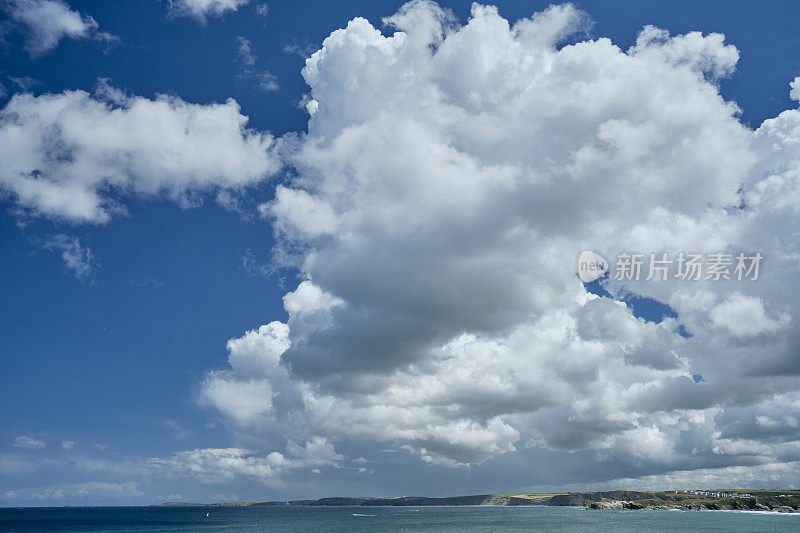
<point x="448" y="181"/>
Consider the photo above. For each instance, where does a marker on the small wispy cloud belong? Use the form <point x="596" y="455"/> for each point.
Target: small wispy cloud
<point x="252" y="267"/>
<point x="110" y="491"/>
<point x="267" y="82"/>
<point x="262" y="80"/>
<point x="246" y="53"/>
<point x="147" y="283"/>
<point x="28" y="442"/>
<point x="78" y="260"/>
<point x="24" y="82"/>
<point x="179" y="431"/>
<point x="304" y="50"/>
<point x="262" y="10"/>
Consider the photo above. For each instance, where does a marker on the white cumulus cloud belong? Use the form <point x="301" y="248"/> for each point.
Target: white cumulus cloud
<point x="449" y="179"/>
<point x="744" y="316"/>
<point x="795" y="92"/>
<point x="46" y="22"/>
<point x="216" y="465"/>
<point x="73" y="155"/>
<point x="201" y="10"/>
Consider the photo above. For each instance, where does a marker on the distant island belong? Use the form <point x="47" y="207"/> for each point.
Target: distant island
<point x="783" y="501"/>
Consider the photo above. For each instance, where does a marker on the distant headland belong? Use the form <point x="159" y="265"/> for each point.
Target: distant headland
<point x="783" y="501"/>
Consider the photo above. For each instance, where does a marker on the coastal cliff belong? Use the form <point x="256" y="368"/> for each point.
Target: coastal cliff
<point x="776" y="501"/>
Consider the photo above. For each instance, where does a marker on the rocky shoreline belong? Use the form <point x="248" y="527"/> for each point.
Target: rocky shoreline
<point x="625" y="505"/>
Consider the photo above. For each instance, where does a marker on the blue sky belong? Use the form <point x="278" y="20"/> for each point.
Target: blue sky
<point x="114" y="360"/>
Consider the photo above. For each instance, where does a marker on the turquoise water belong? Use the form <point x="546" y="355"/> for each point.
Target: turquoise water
<point x="356" y="519"/>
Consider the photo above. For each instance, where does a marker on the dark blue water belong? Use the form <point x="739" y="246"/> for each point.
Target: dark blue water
<point x="355" y="519"/>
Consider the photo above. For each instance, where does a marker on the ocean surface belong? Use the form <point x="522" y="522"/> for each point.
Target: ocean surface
<point x="355" y="519"/>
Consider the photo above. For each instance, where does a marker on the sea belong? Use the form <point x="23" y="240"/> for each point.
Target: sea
<point x="357" y="519"/>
